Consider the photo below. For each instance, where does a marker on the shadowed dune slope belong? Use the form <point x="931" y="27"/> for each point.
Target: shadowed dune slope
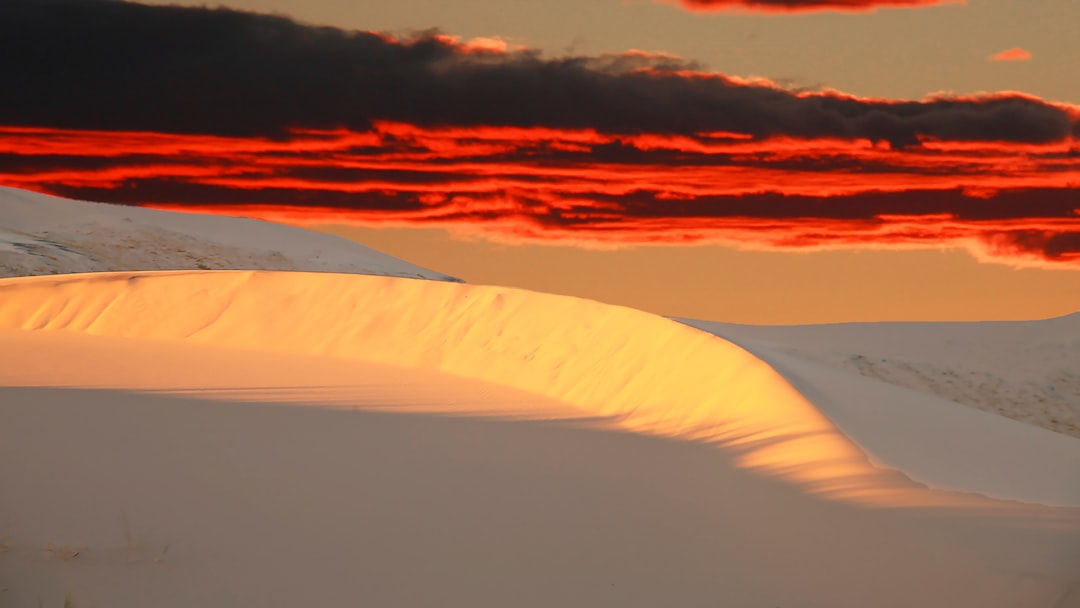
<point x="909" y="422"/>
<point x="171" y="502"/>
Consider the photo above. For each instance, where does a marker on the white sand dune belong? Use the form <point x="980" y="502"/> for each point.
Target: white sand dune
<point x="649" y="373"/>
<point x="41" y="234"/>
<point x="282" y="439"/>
<point x="1024" y="370"/>
<point x="933" y="440"/>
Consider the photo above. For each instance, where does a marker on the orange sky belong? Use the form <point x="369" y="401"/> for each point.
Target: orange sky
<point x="759" y="287"/>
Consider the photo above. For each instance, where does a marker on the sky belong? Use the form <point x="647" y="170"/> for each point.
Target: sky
<point x="758" y="161"/>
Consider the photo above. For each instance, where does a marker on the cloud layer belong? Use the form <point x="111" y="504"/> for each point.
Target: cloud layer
<point x="1014" y="54"/>
<point x="216" y="71"/>
<point x="1015" y="205"/>
<point x="229" y="111"/>
<point x="793" y="6"/>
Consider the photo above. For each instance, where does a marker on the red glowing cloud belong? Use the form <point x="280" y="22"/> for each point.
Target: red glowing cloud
<point x="1014" y="54"/>
<point x="317" y="124"/>
<point x="793" y="6"/>
<point x="1012" y="203"/>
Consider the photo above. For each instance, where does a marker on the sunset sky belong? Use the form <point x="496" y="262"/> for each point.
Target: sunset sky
<point x="762" y="161"/>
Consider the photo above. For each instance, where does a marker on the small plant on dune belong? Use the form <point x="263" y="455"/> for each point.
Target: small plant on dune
<point x="161" y="556"/>
<point x="69" y="602"/>
<point x="129" y="539"/>
<point x="65" y="553"/>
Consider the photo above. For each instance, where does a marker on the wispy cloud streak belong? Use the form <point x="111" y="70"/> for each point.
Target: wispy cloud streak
<point x="794" y="6"/>
<point x="1014" y="54"/>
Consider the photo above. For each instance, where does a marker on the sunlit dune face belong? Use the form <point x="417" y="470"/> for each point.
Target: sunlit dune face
<point x="1009" y="202"/>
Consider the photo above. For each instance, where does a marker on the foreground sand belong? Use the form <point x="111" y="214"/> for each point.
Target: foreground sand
<point x="207" y="467"/>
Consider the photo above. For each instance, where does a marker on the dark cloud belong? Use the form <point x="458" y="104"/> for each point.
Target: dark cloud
<point x="178" y="192"/>
<point x="1029" y="205"/>
<point x="792" y="6"/>
<point x="107" y="64"/>
<point x="1054" y="246"/>
<point x="1026" y="204"/>
<point x="30" y="164"/>
<point x="1005" y="225"/>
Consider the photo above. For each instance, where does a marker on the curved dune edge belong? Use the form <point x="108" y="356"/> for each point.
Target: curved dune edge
<point x="647" y="373"/>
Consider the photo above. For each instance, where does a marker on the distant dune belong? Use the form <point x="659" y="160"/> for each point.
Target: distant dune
<point x="41" y="234"/>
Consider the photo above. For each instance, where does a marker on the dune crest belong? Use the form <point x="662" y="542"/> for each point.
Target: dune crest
<point x="646" y="373"/>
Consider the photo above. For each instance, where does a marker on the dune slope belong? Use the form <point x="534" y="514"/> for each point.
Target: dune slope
<point x="914" y="429"/>
<point x="1024" y="370"/>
